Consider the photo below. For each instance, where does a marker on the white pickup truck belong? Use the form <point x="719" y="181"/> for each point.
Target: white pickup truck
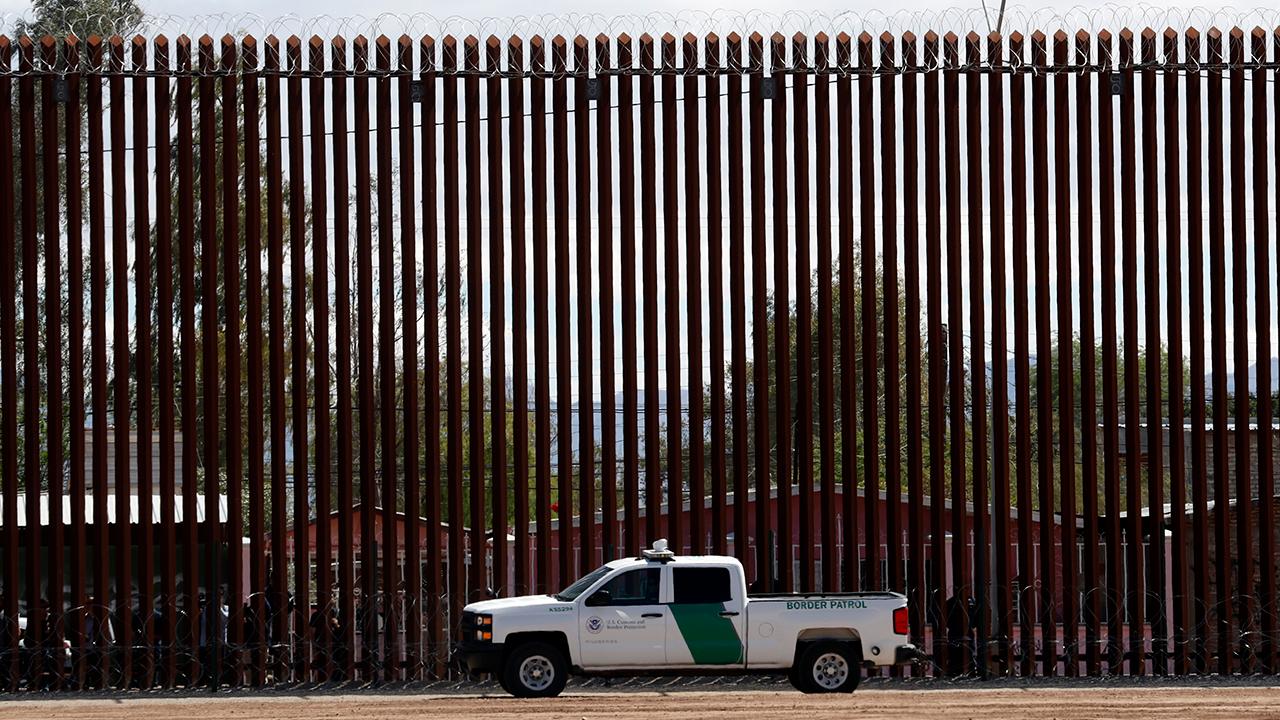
<point x="659" y="613"/>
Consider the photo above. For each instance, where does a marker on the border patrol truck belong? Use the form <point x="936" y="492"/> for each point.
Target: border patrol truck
<point x="663" y="614"/>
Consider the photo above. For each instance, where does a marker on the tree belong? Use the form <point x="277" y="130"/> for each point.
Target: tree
<point x="845" y="370"/>
<point x="57" y="19"/>
<point x="82" y="18"/>
<point x="977" y="367"/>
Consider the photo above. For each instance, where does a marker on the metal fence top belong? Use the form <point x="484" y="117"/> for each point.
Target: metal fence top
<point x="1035" y="40"/>
<point x="721" y="22"/>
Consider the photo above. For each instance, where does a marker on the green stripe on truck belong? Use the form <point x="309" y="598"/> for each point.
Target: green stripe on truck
<point x="711" y="639"/>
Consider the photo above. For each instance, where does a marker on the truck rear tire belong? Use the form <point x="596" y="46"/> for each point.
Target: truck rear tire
<point x="535" y="669"/>
<point x="827" y="667"/>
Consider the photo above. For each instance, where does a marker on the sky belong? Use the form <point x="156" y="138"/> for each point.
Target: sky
<point x="510" y="8"/>
<point x="496" y="15"/>
<point x="502" y="8"/>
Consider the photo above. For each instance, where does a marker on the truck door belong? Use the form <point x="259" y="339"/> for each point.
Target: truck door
<point x="707" y="622"/>
<point x="622" y="624"/>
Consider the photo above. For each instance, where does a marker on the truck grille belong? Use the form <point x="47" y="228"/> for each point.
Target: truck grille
<point x="470" y="622"/>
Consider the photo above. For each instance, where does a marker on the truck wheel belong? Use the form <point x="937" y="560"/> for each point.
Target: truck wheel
<point x="827" y="667"/>
<point x="535" y="670"/>
<point x="793" y="675"/>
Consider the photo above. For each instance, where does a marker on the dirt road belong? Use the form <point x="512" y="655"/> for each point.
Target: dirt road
<point x="1040" y="703"/>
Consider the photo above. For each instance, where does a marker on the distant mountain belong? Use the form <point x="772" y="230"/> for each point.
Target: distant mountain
<point x="1011" y="378"/>
<point x="1253" y="378"/>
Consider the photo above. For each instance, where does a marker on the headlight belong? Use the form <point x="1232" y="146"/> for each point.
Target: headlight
<point x="484" y="628"/>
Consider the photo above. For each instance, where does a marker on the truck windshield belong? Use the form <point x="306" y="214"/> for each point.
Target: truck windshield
<point x="572" y="592"/>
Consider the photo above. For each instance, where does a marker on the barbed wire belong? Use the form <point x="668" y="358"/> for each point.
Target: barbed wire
<point x="936" y="37"/>
<point x="176" y="646"/>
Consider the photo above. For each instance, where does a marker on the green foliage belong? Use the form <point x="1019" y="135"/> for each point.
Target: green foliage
<point x="82" y="18"/>
<point x="845" y="369"/>
<point x="850" y="370"/>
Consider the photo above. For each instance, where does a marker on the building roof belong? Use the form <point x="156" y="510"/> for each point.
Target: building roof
<point x="400" y="516"/>
<point x="884" y="496"/>
<point x="1189" y="509"/>
<point x="1208" y="426"/>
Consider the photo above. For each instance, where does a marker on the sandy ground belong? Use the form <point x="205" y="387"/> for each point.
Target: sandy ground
<point x="1042" y="703"/>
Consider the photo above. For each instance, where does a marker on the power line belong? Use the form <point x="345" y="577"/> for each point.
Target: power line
<point x="461" y="121"/>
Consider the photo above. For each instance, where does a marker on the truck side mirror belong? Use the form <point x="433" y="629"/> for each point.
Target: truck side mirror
<point x="599" y="597"/>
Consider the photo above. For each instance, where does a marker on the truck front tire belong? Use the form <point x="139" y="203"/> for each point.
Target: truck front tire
<point x="535" y="669"/>
<point x="827" y="667"/>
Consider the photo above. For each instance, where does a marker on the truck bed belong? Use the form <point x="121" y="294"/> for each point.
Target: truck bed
<point x="765" y="597"/>
<point x="775" y="622"/>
